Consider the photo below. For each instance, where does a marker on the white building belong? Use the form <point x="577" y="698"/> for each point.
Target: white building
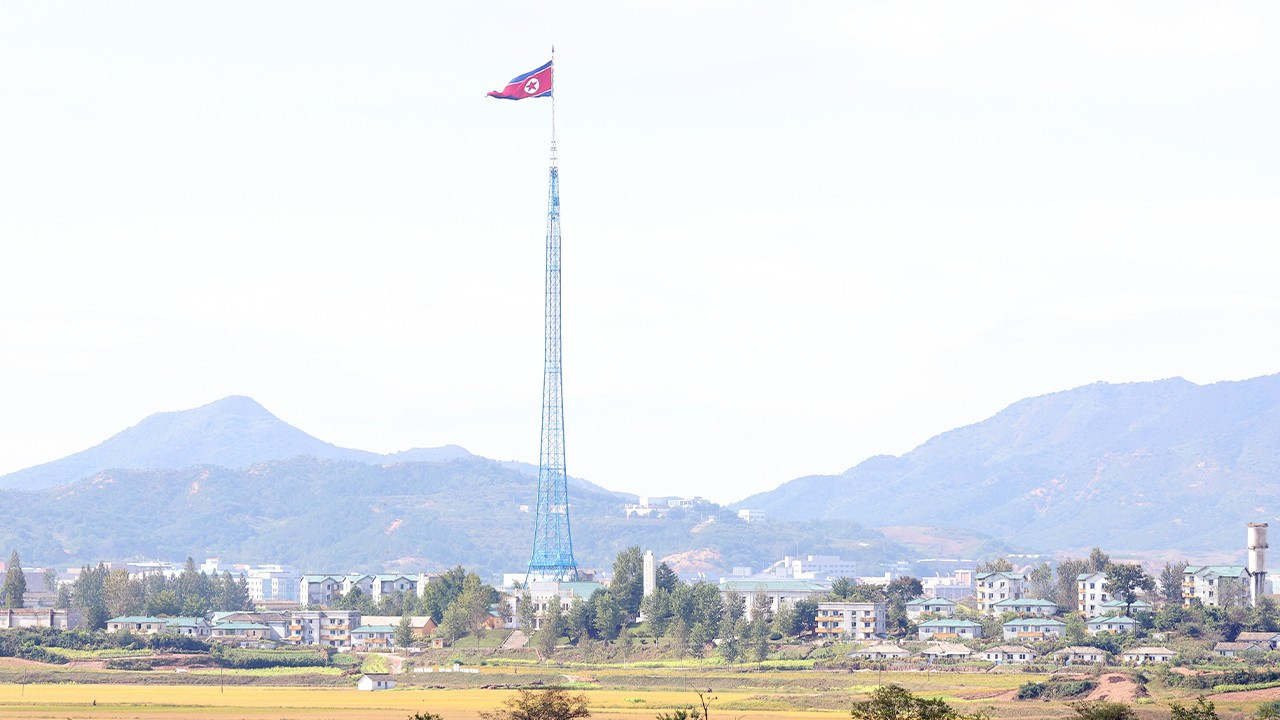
<point x="1216" y="584"/>
<point x="857" y="620"/>
<point x="1089" y="593"/>
<point x="375" y="682"/>
<point x="930" y="605"/>
<point x="1006" y="654"/>
<point x="776" y="592"/>
<point x="993" y="587"/>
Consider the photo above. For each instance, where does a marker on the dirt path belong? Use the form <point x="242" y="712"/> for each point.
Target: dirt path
<point x="1116" y="687"/>
<point x="515" y="641"/>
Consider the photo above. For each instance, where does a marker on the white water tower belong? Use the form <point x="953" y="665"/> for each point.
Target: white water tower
<point x="1257" y="561"/>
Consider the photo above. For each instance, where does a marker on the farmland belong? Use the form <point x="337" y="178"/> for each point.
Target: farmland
<point x="612" y="692"/>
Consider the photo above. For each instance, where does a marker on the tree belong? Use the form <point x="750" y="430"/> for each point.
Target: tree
<point x="552" y="627"/>
<point x="658" y="611"/>
<point x="553" y="704"/>
<point x="454" y="623"/>
<point x="842" y="588"/>
<point x="425" y="715"/>
<point x="1171" y="583"/>
<point x="1202" y="710"/>
<point x="50" y="579"/>
<point x="1102" y="710"/>
<point x="994" y="565"/>
<point x="627" y="585"/>
<point x="404" y="632"/>
<point x="609" y="615"/>
<point x="665" y="578"/>
<point x="527" y="613"/>
<point x="1066" y="591"/>
<point x="121" y="594"/>
<point x="1098" y="560"/>
<point x="893" y="702"/>
<point x="1040" y="578"/>
<point x="15" y="584"/>
<point x="86" y="594"/>
<point x="577" y="623"/>
<point x="804" y="614"/>
<point x="1124" y="581"/>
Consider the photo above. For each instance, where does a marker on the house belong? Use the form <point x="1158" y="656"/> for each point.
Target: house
<point x="1147" y="655"/>
<point x="1082" y="655"/>
<point x="422" y="625"/>
<point x="191" y="627"/>
<point x="885" y="651"/>
<point x="1269" y="639"/>
<point x="946" y="651"/>
<point x="1116" y="606"/>
<point x="319" y="589"/>
<point x="1005" y="654"/>
<point x="1025" y="606"/>
<point x="949" y="628"/>
<point x="379" y="681"/>
<point x="858" y="620"/>
<point x="1238" y="649"/>
<point x="1215" y="584"/>
<point x="776" y="592"/>
<point x="143" y="625"/>
<point x="1033" y="629"/>
<point x="1090" y="594"/>
<point x="276" y="622"/>
<point x="41" y="617"/>
<point x="993" y="587"/>
<point x="331" y="628"/>
<point x="1111" y="624"/>
<point x="931" y="605"/>
<point x="240" y="632"/>
<point x="373" y="636"/>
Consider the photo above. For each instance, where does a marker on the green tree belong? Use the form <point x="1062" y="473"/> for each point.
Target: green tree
<point x="425" y="715"/>
<point x="86" y="594"/>
<point x="552" y="627"/>
<point x="658" y="611"/>
<point x="577" y="622"/>
<point x="842" y="588"/>
<point x="553" y="704"/>
<point x="1102" y="710"/>
<point x="1040" y="578"/>
<point x="403" y="636"/>
<point x="1066" y="592"/>
<point x="1171" y="583"/>
<point x="758" y="639"/>
<point x="609" y="615"/>
<point x="454" y="623"/>
<point x="1268" y="710"/>
<point x="998" y="564"/>
<point x="627" y="585"/>
<point x="1202" y="710"/>
<point x="665" y="578"/>
<point x="15" y="583"/>
<point x="804" y="617"/>
<point x="122" y="594"/>
<point x="441" y="592"/>
<point x="893" y="702"/>
<point x="50" y="579"/>
<point x="1098" y="560"/>
<point x="527" y="613"/>
<point x="1125" y="580"/>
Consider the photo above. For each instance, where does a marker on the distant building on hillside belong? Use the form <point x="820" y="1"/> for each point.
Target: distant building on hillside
<point x="40" y="617"/>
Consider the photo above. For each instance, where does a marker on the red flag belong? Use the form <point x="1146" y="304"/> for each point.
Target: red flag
<point x="535" y="83"/>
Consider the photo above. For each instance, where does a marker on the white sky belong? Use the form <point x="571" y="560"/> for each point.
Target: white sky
<point x="795" y="234"/>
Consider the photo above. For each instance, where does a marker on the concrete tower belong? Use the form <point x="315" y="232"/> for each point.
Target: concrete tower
<point x="1257" y="539"/>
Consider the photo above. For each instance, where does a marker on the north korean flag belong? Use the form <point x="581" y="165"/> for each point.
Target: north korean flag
<point x="535" y="83"/>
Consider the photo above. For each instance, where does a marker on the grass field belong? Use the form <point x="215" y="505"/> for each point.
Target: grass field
<point x="613" y="692"/>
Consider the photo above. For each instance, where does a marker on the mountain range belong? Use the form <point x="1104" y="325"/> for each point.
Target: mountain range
<point x="1165" y="465"/>
<point x="1157" y="466"/>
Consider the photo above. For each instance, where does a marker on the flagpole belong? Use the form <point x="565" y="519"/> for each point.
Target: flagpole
<point x="554" y="160"/>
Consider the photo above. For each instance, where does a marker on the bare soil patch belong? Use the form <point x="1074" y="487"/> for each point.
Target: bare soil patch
<point x="1117" y="687"/>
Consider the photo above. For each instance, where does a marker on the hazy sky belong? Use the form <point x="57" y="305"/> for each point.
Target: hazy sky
<point x="795" y="234"/>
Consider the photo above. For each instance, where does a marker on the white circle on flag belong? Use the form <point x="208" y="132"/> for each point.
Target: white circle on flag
<point x="531" y="87"/>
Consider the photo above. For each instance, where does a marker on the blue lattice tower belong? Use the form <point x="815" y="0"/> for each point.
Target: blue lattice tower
<point x="552" y="543"/>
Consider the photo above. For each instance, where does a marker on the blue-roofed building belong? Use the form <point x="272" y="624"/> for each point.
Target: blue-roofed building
<point x="949" y="629"/>
<point x="1110" y="624"/>
<point x="1033" y="628"/>
<point x="1216" y="584"/>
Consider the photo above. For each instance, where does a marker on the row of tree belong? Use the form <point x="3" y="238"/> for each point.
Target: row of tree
<point x="103" y="593"/>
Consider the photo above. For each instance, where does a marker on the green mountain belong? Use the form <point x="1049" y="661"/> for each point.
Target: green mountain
<point x="1141" y="466"/>
<point x="233" y="481"/>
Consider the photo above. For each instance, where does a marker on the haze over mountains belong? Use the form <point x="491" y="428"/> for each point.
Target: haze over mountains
<point x="1167" y="465"/>
<point x="1141" y="466"/>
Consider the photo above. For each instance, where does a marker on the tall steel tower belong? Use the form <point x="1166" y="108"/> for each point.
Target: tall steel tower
<point x="552" y="543"/>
